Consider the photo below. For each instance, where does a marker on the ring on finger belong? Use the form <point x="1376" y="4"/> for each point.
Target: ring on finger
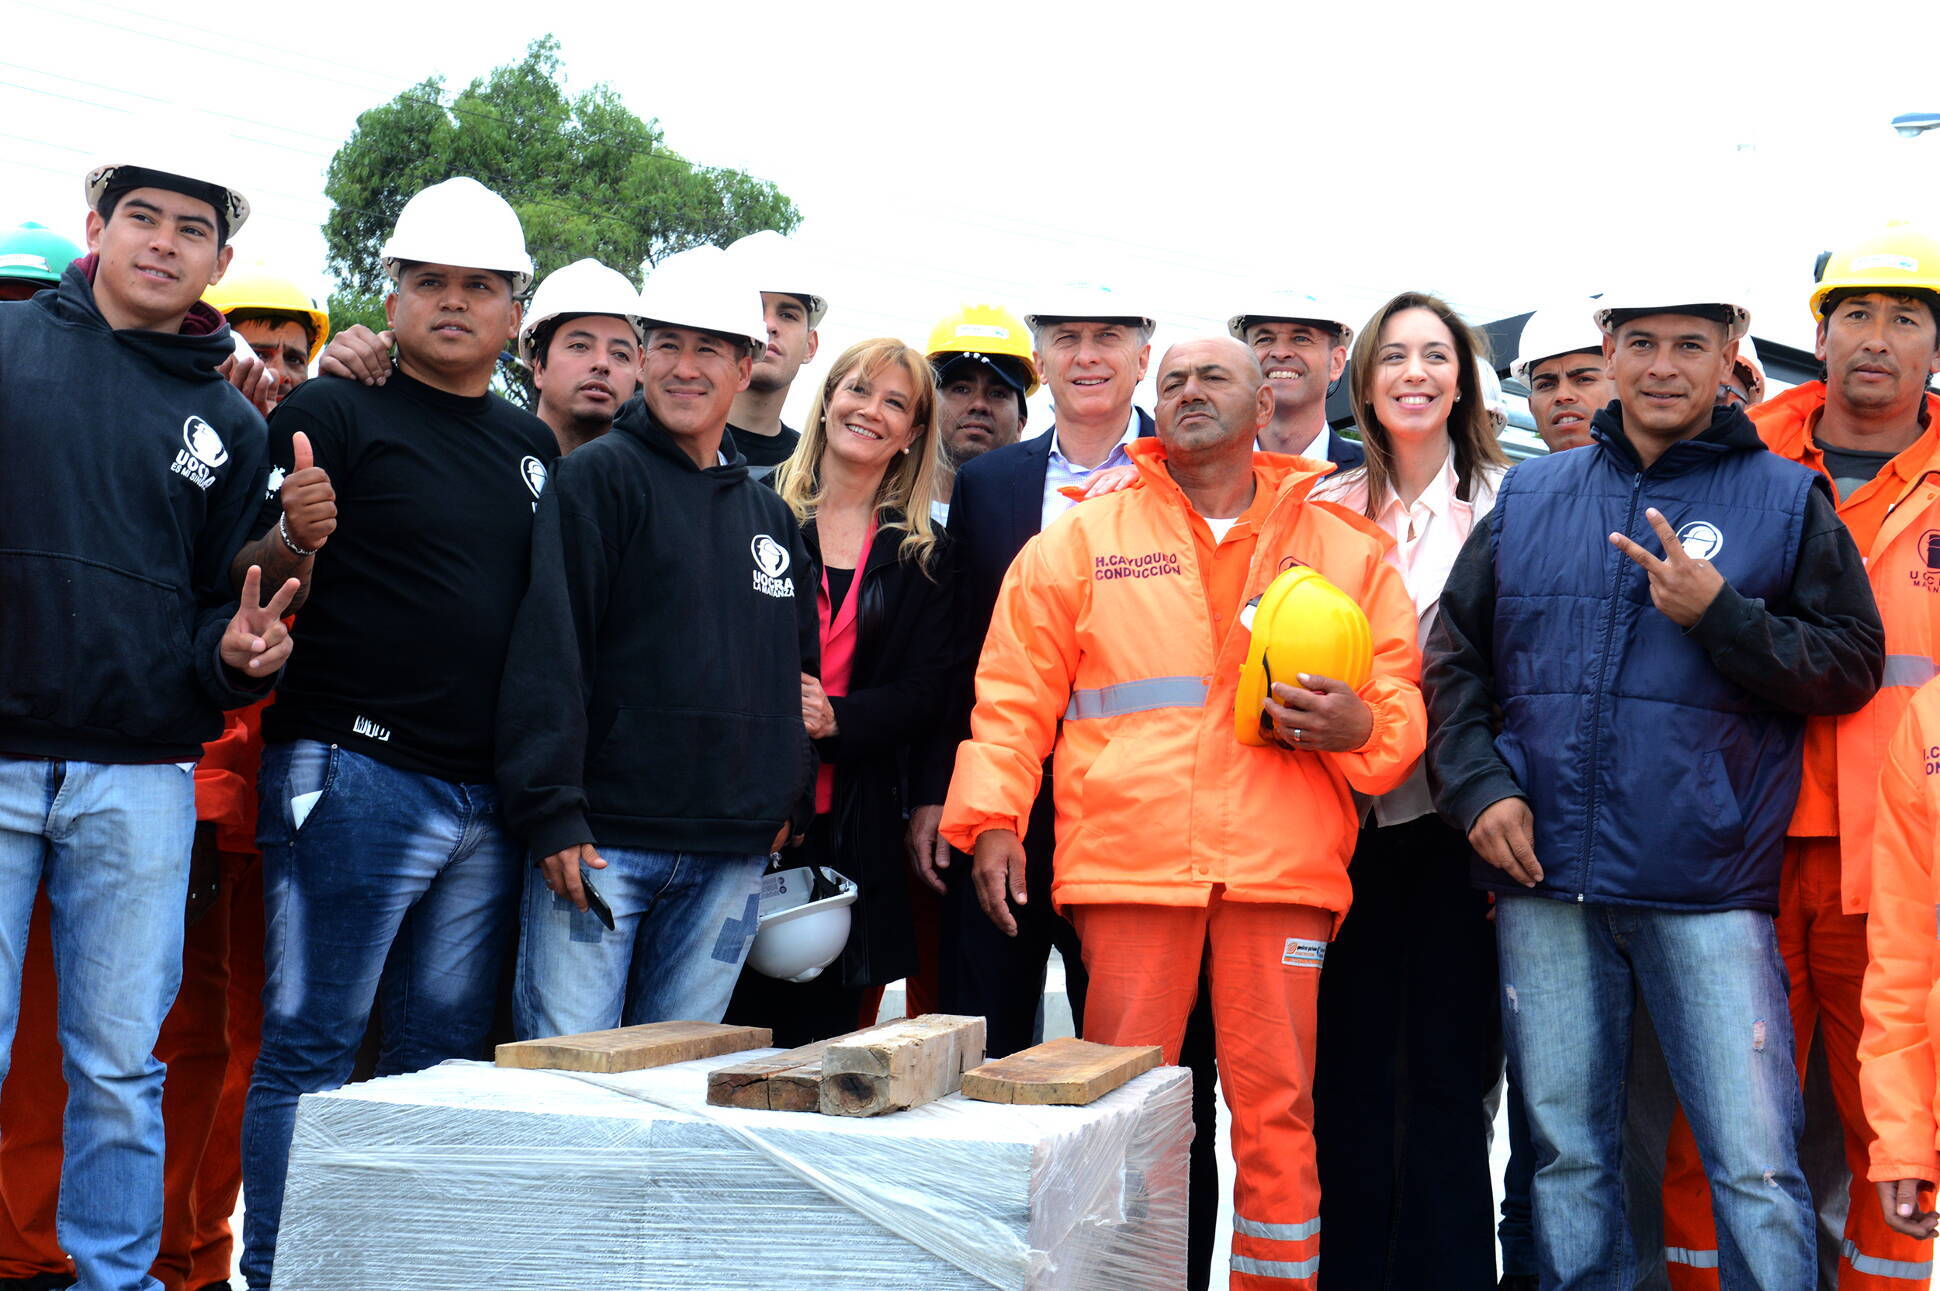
<point x="1298" y="734"/>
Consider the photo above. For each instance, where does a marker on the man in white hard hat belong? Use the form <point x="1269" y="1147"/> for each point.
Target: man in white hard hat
<point x="1560" y="358"/>
<point x="792" y="317"/>
<point x="581" y="338"/>
<point x="1302" y="346"/>
<point x="133" y="472"/>
<point x="650" y="744"/>
<point x="380" y="826"/>
<point x="1618" y="682"/>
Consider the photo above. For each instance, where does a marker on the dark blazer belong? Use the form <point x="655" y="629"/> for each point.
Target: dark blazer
<point x="1346" y="454"/>
<point x="997" y="507"/>
<point x="899" y="688"/>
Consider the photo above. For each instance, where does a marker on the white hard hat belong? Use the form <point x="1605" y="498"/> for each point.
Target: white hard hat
<point x="1490" y="387"/>
<point x="773" y="263"/>
<point x="1628" y="304"/>
<point x="582" y="287"/>
<point x="1291" y="307"/>
<point x="1085" y="302"/>
<point x="1553" y="331"/>
<point x="462" y="223"/>
<point x="803" y="923"/>
<point x="161" y="168"/>
<point x="703" y="288"/>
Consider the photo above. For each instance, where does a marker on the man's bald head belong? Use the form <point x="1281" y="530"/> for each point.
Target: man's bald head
<point x="1213" y="398"/>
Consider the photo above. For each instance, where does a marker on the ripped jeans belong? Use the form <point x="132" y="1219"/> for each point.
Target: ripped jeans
<point x="1715" y="989"/>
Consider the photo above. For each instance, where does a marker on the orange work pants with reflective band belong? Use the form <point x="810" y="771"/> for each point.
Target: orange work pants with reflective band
<point x="1825" y="957"/>
<point x="208" y="1041"/>
<point x="1263" y="963"/>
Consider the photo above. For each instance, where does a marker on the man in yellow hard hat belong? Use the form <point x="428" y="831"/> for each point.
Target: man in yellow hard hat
<point x="1868" y="429"/>
<point x="277" y="319"/>
<point x="985" y="373"/>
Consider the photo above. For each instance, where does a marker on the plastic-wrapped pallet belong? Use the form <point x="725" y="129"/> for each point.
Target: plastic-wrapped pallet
<point x="468" y="1176"/>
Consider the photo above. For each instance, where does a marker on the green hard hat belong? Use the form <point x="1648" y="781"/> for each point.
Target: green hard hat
<point x="35" y="252"/>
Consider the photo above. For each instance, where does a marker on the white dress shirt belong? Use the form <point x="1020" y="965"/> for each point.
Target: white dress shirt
<point x="1427" y="538"/>
<point x="1060" y="471"/>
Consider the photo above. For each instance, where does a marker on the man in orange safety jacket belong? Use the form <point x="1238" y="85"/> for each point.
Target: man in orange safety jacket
<point x="1125" y="620"/>
<point x="1870" y="428"/>
<point x="1901" y="1000"/>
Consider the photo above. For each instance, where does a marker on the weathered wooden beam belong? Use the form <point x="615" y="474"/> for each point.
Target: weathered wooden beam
<point x="631" y="1048"/>
<point x="1062" y="1071"/>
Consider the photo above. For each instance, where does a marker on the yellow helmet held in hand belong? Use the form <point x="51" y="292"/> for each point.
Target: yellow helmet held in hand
<point x="1300" y="623"/>
<point x="1900" y="258"/>
<point x="255" y="288"/>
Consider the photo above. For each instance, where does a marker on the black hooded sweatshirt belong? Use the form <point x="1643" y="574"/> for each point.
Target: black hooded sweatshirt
<point x="130" y="479"/>
<point x="652" y="694"/>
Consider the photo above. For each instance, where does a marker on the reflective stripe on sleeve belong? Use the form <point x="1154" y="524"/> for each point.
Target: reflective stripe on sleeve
<point x="1138" y="696"/>
<point x="1908" y="670"/>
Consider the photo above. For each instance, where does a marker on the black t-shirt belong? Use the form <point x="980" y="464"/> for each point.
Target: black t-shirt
<point x="401" y="645"/>
<point x="1851" y="467"/>
<point x="764" y="452"/>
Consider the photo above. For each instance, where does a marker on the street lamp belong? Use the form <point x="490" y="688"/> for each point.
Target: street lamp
<point x="1912" y="124"/>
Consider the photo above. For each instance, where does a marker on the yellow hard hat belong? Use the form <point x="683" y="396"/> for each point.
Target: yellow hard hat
<point x="254" y="287"/>
<point x="986" y="332"/>
<point x="1899" y="258"/>
<point x="1300" y="623"/>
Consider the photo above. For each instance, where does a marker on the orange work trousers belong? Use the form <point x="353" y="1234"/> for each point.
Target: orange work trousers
<point x="208" y="1041"/>
<point x="1263" y="962"/>
<point x="1825" y="958"/>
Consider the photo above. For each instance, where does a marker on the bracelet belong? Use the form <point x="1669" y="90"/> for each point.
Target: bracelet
<point x="283" y="532"/>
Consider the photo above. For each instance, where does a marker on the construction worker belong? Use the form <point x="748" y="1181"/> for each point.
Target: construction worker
<point x="1896" y="1052"/>
<point x="282" y="323"/>
<point x="1868" y="430"/>
<point x="641" y="599"/>
<point x="1559" y="357"/>
<point x="1303" y="347"/>
<point x="32" y="257"/>
<point x="381" y="832"/>
<point x="582" y="338"/>
<point x="792" y="315"/>
<point x="1631" y="807"/>
<point x="985" y="375"/>
<point x="124" y="644"/>
<point x="1160" y="859"/>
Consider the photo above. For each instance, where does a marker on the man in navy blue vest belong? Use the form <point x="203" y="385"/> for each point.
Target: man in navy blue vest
<point x="1651" y="618"/>
<point x="1302" y="348"/>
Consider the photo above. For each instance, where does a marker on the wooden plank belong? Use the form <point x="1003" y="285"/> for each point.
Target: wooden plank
<point x="631" y="1048"/>
<point x="756" y="1082"/>
<point x="900" y="1065"/>
<point x="1063" y="1071"/>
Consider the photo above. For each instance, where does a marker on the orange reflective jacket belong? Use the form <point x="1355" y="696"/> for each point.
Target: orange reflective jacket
<point x="1895" y="520"/>
<point x="1103" y="622"/>
<point x="1901" y="998"/>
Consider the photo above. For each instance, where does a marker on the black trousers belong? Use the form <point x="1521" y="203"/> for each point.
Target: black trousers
<point x="1001" y="979"/>
<point x="1409" y="1046"/>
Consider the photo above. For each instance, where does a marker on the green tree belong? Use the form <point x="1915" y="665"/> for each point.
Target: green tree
<point x="587" y="177"/>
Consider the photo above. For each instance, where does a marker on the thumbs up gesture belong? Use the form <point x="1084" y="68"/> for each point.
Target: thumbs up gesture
<point x="309" y="499"/>
<point x="256" y="643"/>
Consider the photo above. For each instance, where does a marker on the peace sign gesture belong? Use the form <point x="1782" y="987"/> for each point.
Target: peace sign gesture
<point x="256" y="643"/>
<point x="1682" y="587"/>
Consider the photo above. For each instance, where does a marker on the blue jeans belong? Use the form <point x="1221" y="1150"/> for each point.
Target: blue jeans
<point x="366" y="865"/>
<point x="682" y="925"/>
<point x="1715" y="988"/>
<point x="112" y="845"/>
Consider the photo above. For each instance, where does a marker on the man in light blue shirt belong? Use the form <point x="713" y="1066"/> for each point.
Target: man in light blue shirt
<point x="1092" y="360"/>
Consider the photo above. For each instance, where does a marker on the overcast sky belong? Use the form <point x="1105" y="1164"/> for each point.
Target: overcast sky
<point x="1189" y="155"/>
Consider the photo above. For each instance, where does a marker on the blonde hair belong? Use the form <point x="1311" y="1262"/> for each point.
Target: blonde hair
<point x="1471" y="431"/>
<point x="908" y="485"/>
